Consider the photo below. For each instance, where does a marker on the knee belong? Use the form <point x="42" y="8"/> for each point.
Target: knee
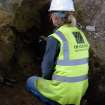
<point x="31" y="83"/>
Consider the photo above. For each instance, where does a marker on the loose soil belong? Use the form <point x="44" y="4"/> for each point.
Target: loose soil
<point x="17" y="95"/>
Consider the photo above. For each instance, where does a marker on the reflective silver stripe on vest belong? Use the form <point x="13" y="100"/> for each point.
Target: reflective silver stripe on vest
<point x="72" y="62"/>
<point x="67" y="61"/>
<point x="70" y="79"/>
<point x="65" y="45"/>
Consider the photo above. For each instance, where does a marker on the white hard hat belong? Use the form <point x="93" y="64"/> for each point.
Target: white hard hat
<point x="62" y="5"/>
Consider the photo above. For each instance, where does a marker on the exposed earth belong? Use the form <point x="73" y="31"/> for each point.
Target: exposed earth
<point x="17" y="95"/>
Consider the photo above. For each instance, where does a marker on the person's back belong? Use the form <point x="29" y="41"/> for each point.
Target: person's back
<point x="68" y="68"/>
<point x="69" y="81"/>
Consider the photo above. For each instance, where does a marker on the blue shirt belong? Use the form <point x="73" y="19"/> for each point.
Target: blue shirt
<point x="50" y="57"/>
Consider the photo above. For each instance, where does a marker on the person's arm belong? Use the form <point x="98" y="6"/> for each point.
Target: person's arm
<point x="50" y="56"/>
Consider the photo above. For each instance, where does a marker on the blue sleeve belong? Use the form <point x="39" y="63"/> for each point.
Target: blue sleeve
<point x="50" y="56"/>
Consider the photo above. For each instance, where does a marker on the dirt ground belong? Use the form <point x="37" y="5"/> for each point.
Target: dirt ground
<point x="17" y="95"/>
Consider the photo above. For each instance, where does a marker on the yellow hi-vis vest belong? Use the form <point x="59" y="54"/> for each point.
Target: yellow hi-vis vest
<point x="70" y="79"/>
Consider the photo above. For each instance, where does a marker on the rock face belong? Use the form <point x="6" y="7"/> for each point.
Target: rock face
<point x="92" y="12"/>
<point x="7" y="39"/>
<point x="22" y="22"/>
<point x="30" y="22"/>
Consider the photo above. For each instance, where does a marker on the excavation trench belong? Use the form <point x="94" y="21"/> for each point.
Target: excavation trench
<point x="22" y="47"/>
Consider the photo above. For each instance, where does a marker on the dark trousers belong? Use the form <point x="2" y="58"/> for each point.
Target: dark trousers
<point x="30" y="86"/>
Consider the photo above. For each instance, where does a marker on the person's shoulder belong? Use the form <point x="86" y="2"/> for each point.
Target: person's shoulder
<point x="51" y="38"/>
